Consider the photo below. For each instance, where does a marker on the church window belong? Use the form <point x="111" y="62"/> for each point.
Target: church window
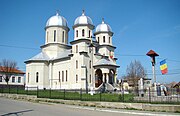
<point x="76" y="33"/>
<point x="66" y="75"/>
<point x="109" y="40"/>
<point x="98" y="40"/>
<point x="37" y="77"/>
<point x="90" y="78"/>
<point x="59" y="76"/>
<point x="63" y="37"/>
<point x="83" y="32"/>
<point x="13" y="79"/>
<point x="19" y="79"/>
<point x="90" y="64"/>
<point x="62" y="76"/>
<point x="54" y="35"/>
<point x="76" y="48"/>
<point x="104" y="39"/>
<point x="28" y="78"/>
<point x="89" y="33"/>
<point x="76" y="78"/>
<point x="90" y="49"/>
<point x="76" y="64"/>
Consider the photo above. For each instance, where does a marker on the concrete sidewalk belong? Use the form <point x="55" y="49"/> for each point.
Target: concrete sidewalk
<point x="115" y="105"/>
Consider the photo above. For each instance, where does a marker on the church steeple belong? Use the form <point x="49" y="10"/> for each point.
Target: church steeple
<point x="57" y="29"/>
<point x="83" y="27"/>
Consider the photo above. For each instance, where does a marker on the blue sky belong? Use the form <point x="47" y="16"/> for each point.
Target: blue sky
<point x="138" y="26"/>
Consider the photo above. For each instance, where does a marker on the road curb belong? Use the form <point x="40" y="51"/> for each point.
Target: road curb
<point x="115" y="105"/>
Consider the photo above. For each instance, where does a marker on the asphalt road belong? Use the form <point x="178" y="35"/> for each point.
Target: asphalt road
<point x="9" y="107"/>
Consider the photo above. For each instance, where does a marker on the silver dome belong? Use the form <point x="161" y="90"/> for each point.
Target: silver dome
<point x="56" y="20"/>
<point x="83" y="20"/>
<point x="103" y="27"/>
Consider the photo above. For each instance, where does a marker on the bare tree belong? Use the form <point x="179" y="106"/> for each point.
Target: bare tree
<point x="135" y="71"/>
<point x="7" y="68"/>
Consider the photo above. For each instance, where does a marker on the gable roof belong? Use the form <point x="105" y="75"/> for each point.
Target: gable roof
<point x="40" y="56"/>
<point x="14" y="70"/>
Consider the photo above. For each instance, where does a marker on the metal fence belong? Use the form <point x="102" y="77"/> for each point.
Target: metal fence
<point x="148" y="96"/>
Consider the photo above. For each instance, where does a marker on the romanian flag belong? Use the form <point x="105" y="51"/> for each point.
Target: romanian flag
<point x="163" y="67"/>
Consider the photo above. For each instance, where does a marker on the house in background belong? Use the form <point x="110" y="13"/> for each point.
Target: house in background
<point x="16" y="79"/>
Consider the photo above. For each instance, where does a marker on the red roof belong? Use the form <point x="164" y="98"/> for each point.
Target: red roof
<point x="152" y="53"/>
<point x="2" y="69"/>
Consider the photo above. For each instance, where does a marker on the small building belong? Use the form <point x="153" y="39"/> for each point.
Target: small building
<point x="17" y="78"/>
<point x="177" y="86"/>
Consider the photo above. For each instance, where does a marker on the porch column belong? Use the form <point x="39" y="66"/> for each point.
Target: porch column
<point x="107" y="77"/>
<point x="103" y="77"/>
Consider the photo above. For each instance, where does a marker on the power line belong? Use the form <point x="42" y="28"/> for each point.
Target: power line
<point x="19" y="47"/>
<point x="119" y="55"/>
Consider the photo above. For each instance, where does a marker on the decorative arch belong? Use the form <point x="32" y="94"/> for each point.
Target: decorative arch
<point x="98" y="77"/>
<point x="111" y="76"/>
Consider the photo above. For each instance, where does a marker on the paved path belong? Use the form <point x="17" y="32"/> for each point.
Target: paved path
<point x="10" y="107"/>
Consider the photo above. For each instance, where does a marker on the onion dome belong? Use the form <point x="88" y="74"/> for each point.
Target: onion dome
<point x="103" y="27"/>
<point x="83" y="20"/>
<point x="56" y="20"/>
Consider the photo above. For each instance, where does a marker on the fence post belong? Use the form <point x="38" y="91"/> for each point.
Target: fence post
<point x="149" y="95"/>
<point x="9" y="89"/>
<point x="2" y="89"/>
<point x="100" y="95"/>
<point x="50" y="93"/>
<point x="123" y="96"/>
<point x="81" y="94"/>
<point x="27" y="90"/>
<point x="64" y="94"/>
<point x="37" y="92"/>
<point x="17" y="90"/>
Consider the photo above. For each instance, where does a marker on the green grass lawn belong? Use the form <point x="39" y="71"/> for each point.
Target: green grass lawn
<point x="76" y="95"/>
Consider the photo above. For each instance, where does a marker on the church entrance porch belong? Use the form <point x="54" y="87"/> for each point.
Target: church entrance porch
<point x="105" y="77"/>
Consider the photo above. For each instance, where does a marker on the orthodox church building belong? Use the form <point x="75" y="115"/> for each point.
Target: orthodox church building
<point x="88" y="62"/>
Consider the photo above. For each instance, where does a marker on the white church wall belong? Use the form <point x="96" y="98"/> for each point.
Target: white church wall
<point x="86" y="32"/>
<point x="33" y="69"/>
<point x="59" y="35"/>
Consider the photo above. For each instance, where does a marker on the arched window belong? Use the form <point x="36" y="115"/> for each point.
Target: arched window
<point x="90" y="64"/>
<point x="59" y="76"/>
<point x="66" y="75"/>
<point x="109" y="40"/>
<point x="83" y="32"/>
<point x="76" y="48"/>
<point x="37" y="77"/>
<point x="89" y="33"/>
<point x="76" y="78"/>
<point x="62" y="76"/>
<point x="104" y="39"/>
<point x="63" y="37"/>
<point x="28" y="78"/>
<point x="76" y="64"/>
<point x="54" y="35"/>
<point x="76" y="33"/>
<point x="90" y="78"/>
<point x="98" y="40"/>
